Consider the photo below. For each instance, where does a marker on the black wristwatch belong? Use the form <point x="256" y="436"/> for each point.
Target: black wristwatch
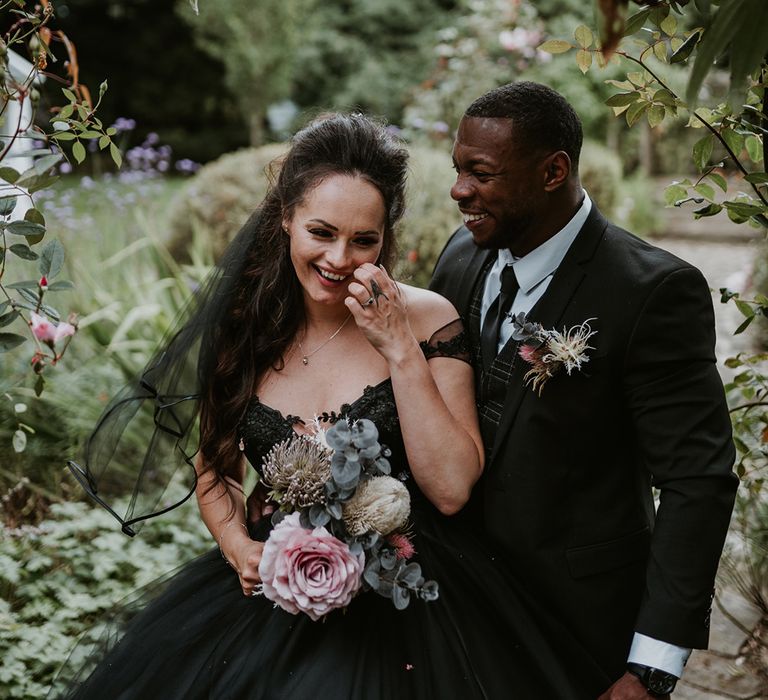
<point x="657" y="682"/>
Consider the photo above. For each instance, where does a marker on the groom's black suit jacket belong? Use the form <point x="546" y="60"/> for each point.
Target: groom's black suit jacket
<point x="566" y="492"/>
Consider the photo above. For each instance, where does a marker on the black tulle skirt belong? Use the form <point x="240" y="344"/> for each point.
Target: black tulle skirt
<point x="197" y="636"/>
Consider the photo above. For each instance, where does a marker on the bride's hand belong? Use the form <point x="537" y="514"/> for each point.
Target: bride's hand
<point x="378" y="306"/>
<point x="246" y="559"/>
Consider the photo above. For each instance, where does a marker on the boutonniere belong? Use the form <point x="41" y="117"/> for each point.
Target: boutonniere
<point x="549" y="350"/>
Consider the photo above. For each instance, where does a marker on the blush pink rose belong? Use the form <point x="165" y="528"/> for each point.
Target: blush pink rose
<point x="308" y="571"/>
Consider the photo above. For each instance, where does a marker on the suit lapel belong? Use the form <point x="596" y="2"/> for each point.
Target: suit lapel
<point x="549" y="311"/>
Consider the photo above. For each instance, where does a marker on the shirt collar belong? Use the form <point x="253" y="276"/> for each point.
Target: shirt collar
<point x="541" y="262"/>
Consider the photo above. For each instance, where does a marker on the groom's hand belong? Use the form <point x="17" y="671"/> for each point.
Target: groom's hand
<point x="628" y="687"/>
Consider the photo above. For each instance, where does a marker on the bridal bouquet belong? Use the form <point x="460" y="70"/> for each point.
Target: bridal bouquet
<point x="340" y="527"/>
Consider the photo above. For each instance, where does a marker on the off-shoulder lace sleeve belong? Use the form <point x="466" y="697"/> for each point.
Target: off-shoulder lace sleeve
<point x="449" y="341"/>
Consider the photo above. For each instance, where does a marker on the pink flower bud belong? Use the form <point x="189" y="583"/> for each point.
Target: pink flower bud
<point x="43" y="282"/>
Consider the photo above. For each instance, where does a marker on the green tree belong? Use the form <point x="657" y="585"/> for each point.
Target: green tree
<point x="256" y="43"/>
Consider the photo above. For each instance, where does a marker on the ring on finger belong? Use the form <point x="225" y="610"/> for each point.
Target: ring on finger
<point x="377" y="292"/>
<point x="368" y="301"/>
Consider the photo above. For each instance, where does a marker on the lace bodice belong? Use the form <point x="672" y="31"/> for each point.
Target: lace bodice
<point x="264" y="426"/>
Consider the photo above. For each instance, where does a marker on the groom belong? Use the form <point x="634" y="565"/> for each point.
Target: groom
<point x="571" y="463"/>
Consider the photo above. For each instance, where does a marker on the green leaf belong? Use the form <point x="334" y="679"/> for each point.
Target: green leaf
<point x="757" y="178"/>
<point x="743" y="208"/>
<point x="35" y="216"/>
<point x="556" y="46"/>
<point x="702" y="151"/>
<point x="63" y="136"/>
<point x="660" y="51"/>
<point x="42" y="182"/>
<point x="665" y="97"/>
<point x="744" y="325"/>
<point x="669" y="25"/>
<point x="24" y="284"/>
<point x="69" y="95"/>
<point x="90" y="134"/>
<point x="10" y="317"/>
<point x="636" y="22"/>
<point x="8" y="341"/>
<point x="117" y="157"/>
<point x="733" y="362"/>
<point x="622" y="99"/>
<point x="25" y="228"/>
<point x="7" y="205"/>
<point x="78" y="151"/>
<point x="104" y="141"/>
<point x="39" y="385"/>
<point x="709" y="210"/>
<point x="52" y="259"/>
<point x="635" y="112"/>
<point x="734" y="140"/>
<point x="9" y="175"/>
<point x="674" y="193"/>
<point x="111" y="131"/>
<point x="31" y="297"/>
<point x="754" y="148"/>
<point x="60" y="286"/>
<point x="66" y="112"/>
<point x="655" y="115"/>
<point x="686" y="48"/>
<point x="583" y="35"/>
<point x="705" y="191"/>
<point x="44" y="164"/>
<point x="723" y="29"/>
<point x="24" y="252"/>
<point x="719" y="180"/>
<point x="744" y="307"/>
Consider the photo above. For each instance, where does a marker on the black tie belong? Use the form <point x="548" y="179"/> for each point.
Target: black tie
<point x="489" y="336"/>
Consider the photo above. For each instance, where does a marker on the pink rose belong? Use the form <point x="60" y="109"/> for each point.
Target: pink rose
<point x="308" y="571"/>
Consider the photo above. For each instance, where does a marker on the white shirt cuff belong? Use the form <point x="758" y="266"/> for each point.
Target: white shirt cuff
<point x="657" y="654"/>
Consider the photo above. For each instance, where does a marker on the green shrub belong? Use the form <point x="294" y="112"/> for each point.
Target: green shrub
<point x="65" y="576"/>
<point x="219" y="198"/>
<point x="600" y="171"/>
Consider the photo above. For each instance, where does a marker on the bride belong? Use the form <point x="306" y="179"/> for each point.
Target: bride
<point x="304" y="325"/>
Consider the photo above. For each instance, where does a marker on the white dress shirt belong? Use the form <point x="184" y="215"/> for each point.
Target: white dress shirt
<point x="534" y="272"/>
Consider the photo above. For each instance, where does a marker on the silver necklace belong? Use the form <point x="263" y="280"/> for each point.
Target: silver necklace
<point x="306" y="355"/>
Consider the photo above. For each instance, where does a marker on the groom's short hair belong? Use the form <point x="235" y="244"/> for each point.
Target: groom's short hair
<point x="541" y="116"/>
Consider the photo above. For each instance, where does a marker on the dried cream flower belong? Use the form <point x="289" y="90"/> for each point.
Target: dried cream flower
<point x="381" y="504"/>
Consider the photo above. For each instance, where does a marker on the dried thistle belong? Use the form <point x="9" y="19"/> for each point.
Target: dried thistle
<point x="296" y="470"/>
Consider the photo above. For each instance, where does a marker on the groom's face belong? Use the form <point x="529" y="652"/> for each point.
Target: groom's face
<point x="496" y="184"/>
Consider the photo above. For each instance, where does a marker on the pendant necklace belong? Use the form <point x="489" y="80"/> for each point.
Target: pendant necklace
<point x="306" y="355"/>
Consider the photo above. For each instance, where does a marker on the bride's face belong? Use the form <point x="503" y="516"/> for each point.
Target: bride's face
<point x="338" y="226"/>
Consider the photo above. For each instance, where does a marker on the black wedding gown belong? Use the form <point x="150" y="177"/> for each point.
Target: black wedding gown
<point x="200" y="637"/>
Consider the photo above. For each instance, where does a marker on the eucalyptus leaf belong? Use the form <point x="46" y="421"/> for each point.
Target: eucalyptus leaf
<point x="388" y="559"/>
<point x="401" y="597"/>
<point x="23" y="284"/>
<point x="411" y="574"/>
<point x="318" y="516"/>
<point x="335" y="510"/>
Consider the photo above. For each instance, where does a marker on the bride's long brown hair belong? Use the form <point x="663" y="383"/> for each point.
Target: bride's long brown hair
<point x="266" y="308"/>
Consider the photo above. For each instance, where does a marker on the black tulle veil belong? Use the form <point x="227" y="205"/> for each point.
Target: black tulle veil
<point x="162" y="405"/>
